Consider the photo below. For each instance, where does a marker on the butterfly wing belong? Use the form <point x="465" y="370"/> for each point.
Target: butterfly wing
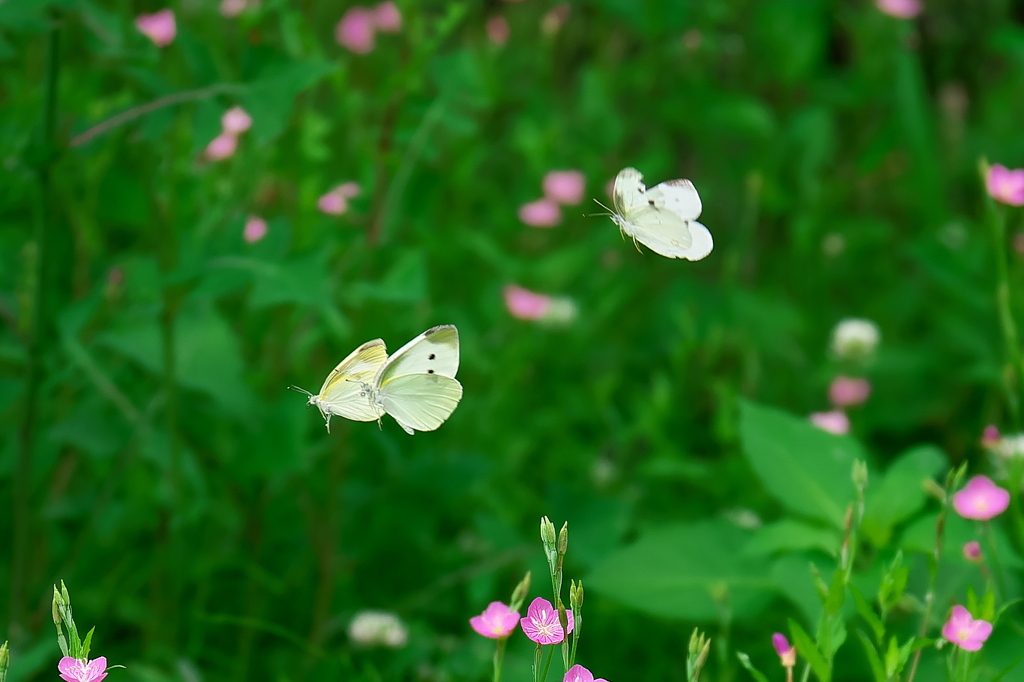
<point x="663" y="218"/>
<point x="435" y="351"/>
<point x="342" y="393"/>
<point x="419" y="402"/>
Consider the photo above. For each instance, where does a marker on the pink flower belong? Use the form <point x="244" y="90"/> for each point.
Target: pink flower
<point x="786" y="652"/>
<point x="578" y="673"/>
<point x="1005" y="185"/>
<point x="221" y="147"/>
<point x="232" y="8"/>
<point x="75" y="670"/>
<point x="981" y="499"/>
<point x="901" y="9"/>
<point x="497" y="621"/>
<point x="387" y="18"/>
<point x="497" y="30"/>
<point x="834" y="421"/>
<point x="541" y="622"/>
<point x="845" y="392"/>
<point x="236" y="121"/>
<point x="964" y="631"/>
<point x="540" y="213"/>
<point x="159" y="27"/>
<point x="972" y="551"/>
<point x="990" y="436"/>
<point x="524" y="304"/>
<point x="255" y="229"/>
<point x="356" y="30"/>
<point x="565" y="187"/>
<point x="335" y="202"/>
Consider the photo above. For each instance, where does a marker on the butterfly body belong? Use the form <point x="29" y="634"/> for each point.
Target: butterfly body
<point x="663" y="217"/>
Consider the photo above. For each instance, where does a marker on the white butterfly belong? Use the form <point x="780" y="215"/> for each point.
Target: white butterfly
<point x="343" y="393"/>
<point x="417" y="384"/>
<point x="664" y="217"/>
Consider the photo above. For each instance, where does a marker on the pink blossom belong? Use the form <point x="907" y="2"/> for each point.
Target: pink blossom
<point x="348" y="190"/>
<point x="964" y="631"/>
<point x="901" y="9"/>
<point x="76" y="670"/>
<point x="972" y="551"/>
<point x="255" y="229"/>
<point x="159" y="27"/>
<point x="387" y="18"/>
<point x="525" y="304"/>
<point x="221" y="147"/>
<point x="356" y="30"/>
<point x="834" y="421"/>
<point x="990" y="437"/>
<point x="235" y="121"/>
<point x="786" y="652"/>
<point x="232" y="8"/>
<point x="497" y="621"/>
<point x="541" y="622"/>
<point x="565" y="187"/>
<point x="845" y="391"/>
<point x="981" y="499"/>
<point x="578" y="673"/>
<point x="1005" y="185"/>
<point x="540" y="213"/>
<point x="498" y="30"/>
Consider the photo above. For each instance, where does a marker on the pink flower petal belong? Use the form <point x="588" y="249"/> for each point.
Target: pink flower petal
<point x="981" y="499"/>
<point x="835" y="421"/>
<point x="159" y="27"/>
<point x="540" y="213"/>
<point x="525" y="304"/>
<point x="541" y="623"/>
<point x="356" y="30"/>
<point x="387" y="18"/>
<point x="255" y="229"/>
<point x="497" y="621"/>
<point x="332" y="203"/>
<point x="1005" y="185"/>
<point x="221" y="147"/>
<point x="964" y="631"/>
<point x="901" y="9"/>
<point x="236" y="121"/>
<point x="74" y="670"/>
<point x="846" y="392"/>
<point x="565" y="187"/>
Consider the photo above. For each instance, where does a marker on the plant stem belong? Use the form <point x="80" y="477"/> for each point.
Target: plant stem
<point x="1006" y="322"/>
<point x="36" y="343"/>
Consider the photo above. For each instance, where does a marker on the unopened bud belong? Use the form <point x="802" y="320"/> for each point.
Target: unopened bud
<point x="519" y="594"/>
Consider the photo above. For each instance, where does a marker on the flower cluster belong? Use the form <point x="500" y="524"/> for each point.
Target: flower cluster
<point x="233" y="123"/>
<point x="160" y="27"/>
<point x="853" y="341"/>
<point x="561" y="188"/>
<point x="357" y="30"/>
<point x="335" y="202"/>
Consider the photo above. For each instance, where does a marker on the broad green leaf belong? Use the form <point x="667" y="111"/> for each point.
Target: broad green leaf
<point x="806" y="648"/>
<point x="790" y="534"/>
<point x="900" y="491"/>
<point x="806" y="469"/>
<point x="685" y="571"/>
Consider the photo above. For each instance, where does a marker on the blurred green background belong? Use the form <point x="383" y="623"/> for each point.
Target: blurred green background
<point x="199" y="513"/>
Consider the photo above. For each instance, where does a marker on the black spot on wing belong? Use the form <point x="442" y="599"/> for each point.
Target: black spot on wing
<point x="431" y="356"/>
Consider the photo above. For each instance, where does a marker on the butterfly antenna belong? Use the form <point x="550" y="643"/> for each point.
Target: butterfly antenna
<point x="608" y="211"/>
<point x="301" y="390"/>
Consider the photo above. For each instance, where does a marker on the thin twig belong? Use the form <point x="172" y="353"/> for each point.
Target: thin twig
<point x="148" y="108"/>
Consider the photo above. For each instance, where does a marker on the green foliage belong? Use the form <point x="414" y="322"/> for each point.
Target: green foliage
<point x="207" y="523"/>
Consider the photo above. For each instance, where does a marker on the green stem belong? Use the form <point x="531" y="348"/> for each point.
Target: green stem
<point x="36" y="343"/>
<point x="1006" y="322"/>
<point x="499" y="655"/>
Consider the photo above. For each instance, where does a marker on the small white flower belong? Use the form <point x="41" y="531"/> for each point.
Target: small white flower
<point x="855" y="338"/>
<point x="378" y="628"/>
<point x="1010" y="446"/>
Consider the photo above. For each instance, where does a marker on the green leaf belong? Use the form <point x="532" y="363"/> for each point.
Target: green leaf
<point x="271" y="97"/>
<point x="873" y="659"/>
<point x="749" y="667"/>
<point x="806" y="648"/>
<point x="867" y="613"/>
<point x="806" y="469"/>
<point x="685" y="571"/>
<point x="790" y="535"/>
<point x="900" y="493"/>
